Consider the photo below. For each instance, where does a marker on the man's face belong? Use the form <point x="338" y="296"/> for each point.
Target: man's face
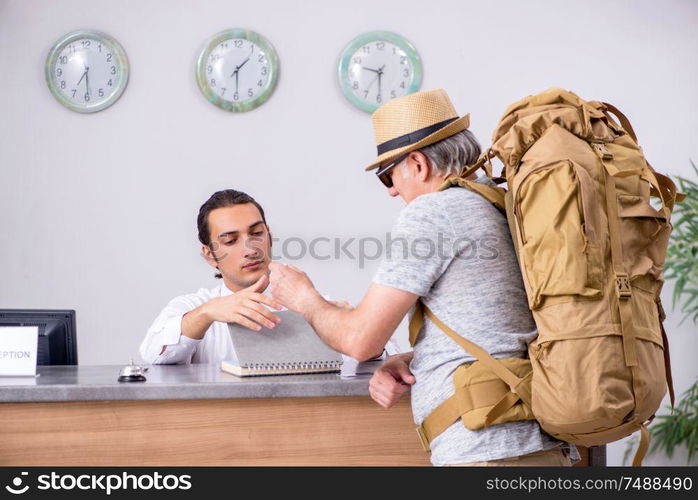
<point x="240" y="244"/>
<point x="405" y="179"/>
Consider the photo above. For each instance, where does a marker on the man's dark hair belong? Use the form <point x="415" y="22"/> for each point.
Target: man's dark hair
<point x="221" y="199"/>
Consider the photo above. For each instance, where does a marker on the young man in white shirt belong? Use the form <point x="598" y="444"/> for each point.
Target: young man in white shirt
<point x="192" y="328"/>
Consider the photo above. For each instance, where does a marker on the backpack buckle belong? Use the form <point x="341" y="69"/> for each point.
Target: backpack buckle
<point x="423" y="439"/>
<point x="602" y="151"/>
<point x="623" y="286"/>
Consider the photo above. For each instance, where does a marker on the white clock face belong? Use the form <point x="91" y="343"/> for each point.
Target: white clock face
<point x="380" y="71"/>
<point x="87" y="73"/>
<point x="376" y="67"/>
<point x="237" y="70"/>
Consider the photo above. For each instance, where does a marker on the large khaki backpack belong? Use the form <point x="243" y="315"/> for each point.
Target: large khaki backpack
<point x="591" y="246"/>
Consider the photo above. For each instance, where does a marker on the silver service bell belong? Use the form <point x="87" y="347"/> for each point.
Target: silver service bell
<point x="132" y="373"/>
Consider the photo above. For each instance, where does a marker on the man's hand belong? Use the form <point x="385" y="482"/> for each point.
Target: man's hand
<point x="361" y="332"/>
<point x="291" y="287"/>
<point x="392" y="380"/>
<point x="244" y="307"/>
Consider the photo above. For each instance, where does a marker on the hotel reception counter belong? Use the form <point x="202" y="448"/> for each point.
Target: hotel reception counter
<point x="198" y="415"/>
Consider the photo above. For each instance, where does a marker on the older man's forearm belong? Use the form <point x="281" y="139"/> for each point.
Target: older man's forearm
<point x="342" y="330"/>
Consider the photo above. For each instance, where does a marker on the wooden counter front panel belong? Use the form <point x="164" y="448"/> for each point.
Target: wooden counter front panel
<point x="278" y="431"/>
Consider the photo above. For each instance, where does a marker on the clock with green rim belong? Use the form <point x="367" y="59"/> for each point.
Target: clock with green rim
<point x="378" y="66"/>
<point x="87" y="71"/>
<point x="237" y="70"/>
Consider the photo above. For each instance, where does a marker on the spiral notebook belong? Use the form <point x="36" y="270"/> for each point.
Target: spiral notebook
<point x="291" y="347"/>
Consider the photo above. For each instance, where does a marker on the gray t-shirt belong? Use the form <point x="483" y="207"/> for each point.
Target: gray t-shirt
<point x="453" y="248"/>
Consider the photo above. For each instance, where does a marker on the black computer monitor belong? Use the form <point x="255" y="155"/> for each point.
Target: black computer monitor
<point x="57" y="338"/>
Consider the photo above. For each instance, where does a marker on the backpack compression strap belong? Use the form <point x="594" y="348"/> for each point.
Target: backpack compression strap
<point x="624" y="122"/>
<point x="667" y="358"/>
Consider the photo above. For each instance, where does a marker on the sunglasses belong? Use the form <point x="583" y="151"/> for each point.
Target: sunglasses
<point x="383" y="173"/>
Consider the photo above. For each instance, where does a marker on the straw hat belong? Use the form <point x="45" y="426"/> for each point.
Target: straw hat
<point x="414" y="121"/>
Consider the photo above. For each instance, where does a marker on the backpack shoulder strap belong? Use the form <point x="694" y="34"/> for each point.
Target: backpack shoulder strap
<point x="494" y="194"/>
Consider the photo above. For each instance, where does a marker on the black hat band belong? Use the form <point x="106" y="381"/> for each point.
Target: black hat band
<point x="412" y="137"/>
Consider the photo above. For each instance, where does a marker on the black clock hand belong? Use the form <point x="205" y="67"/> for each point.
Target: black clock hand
<point x="245" y="61"/>
<point x="237" y="68"/>
<point x="380" y="75"/>
<point x="87" y="79"/>
<point x="235" y="74"/>
<point x="370" y="69"/>
<point x="83" y="76"/>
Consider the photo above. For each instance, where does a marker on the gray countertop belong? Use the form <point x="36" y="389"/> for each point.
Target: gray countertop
<point x="197" y="381"/>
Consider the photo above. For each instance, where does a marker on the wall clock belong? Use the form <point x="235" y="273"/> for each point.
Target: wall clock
<point x="87" y="71"/>
<point x="378" y="66"/>
<point x="237" y="70"/>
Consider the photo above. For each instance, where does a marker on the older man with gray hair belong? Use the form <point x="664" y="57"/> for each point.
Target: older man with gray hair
<point x="458" y="260"/>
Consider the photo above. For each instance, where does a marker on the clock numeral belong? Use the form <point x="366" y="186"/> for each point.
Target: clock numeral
<point x="380" y="45"/>
<point x="394" y="50"/>
<point x="63" y="84"/>
<point x="259" y="83"/>
<point x="403" y="59"/>
<point x="100" y="92"/>
<point x="393" y="95"/>
<point x="235" y="96"/>
<point x="356" y="60"/>
<point x="72" y="49"/>
<point x="402" y="85"/>
<point x="99" y="46"/>
<point x="113" y="70"/>
<point x="366" y="49"/>
<point x="406" y="72"/>
<point x="238" y="44"/>
<point x="215" y="57"/>
<point x="365" y="94"/>
<point x="224" y="45"/>
<point x="63" y="59"/>
<point x="209" y="69"/>
<point x="59" y="72"/>
<point x="223" y="89"/>
<point x="260" y="58"/>
<point x="87" y="97"/>
<point x="213" y="82"/>
<point x="85" y="44"/>
<point x="109" y="57"/>
<point x="109" y="82"/>
<point x="264" y="70"/>
<point x="378" y="98"/>
<point x="74" y="90"/>
<point x="355" y="85"/>
<point x="250" y="93"/>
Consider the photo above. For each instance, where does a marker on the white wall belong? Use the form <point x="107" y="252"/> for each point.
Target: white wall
<point x="98" y="211"/>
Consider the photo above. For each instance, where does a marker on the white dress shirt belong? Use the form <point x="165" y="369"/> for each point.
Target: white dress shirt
<point x="166" y="331"/>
